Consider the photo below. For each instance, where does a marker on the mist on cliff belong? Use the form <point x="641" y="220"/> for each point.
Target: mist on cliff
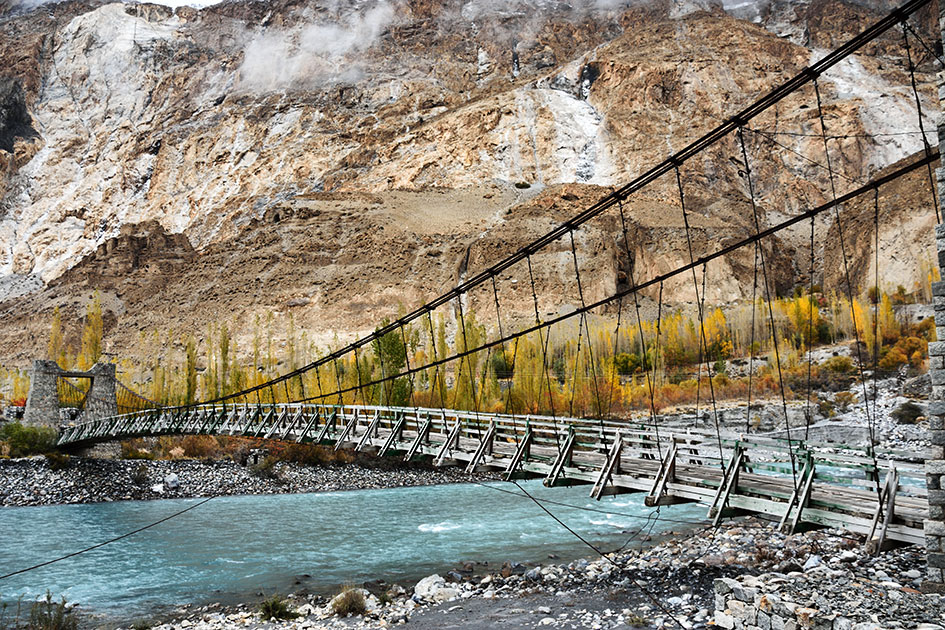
<point x="324" y="49"/>
<point x="318" y="52"/>
<point x="26" y="5"/>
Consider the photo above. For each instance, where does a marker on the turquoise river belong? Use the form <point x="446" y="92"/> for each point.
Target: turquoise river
<point x="233" y="548"/>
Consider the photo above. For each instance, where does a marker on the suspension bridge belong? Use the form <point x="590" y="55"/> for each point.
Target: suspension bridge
<point x="344" y="399"/>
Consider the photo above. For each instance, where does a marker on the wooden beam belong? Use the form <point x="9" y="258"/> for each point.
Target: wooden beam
<point x="422" y="433"/>
<point x="563" y="459"/>
<point x="800" y="498"/>
<point x="372" y="429"/>
<point x="666" y="474"/>
<point x="396" y="433"/>
<point x="267" y="417"/>
<point x="278" y="421"/>
<point x="349" y="428"/>
<point x="485" y="446"/>
<point x="521" y="453"/>
<point x="728" y="485"/>
<point x="610" y="468"/>
<point x="250" y="419"/>
<point x="887" y="499"/>
<point x="313" y="422"/>
<point x="330" y="424"/>
<point x="452" y="440"/>
<point x="295" y="421"/>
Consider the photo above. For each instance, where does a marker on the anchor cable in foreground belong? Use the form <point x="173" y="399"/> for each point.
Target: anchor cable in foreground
<point x="107" y="542"/>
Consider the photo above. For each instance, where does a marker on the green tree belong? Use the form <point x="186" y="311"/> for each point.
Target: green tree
<point x="391" y="356"/>
<point x="626" y="363"/>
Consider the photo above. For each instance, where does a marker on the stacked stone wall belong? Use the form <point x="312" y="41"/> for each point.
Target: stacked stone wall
<point x="935" y="465"/>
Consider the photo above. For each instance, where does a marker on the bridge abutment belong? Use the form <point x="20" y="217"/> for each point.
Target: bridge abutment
<point x="102" y="401"/>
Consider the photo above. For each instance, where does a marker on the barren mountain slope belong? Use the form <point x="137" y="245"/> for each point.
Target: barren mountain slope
<point x="341" y="163"/>
<point x="338" y="262"/>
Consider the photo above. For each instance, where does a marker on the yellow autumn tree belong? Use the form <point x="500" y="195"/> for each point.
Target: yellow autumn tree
<point x="92" y="334"/>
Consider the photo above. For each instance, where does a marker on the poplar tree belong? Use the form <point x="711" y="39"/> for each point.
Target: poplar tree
<point x="92" y="334"/>
<point x="56" y="349"/>
<point x="191" y="371"/>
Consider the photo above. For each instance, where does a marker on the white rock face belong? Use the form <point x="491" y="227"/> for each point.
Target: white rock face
<point x="75" y="191"/>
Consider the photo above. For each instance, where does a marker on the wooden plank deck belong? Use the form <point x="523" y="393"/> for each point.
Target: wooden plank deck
<point x="797" y="482"/>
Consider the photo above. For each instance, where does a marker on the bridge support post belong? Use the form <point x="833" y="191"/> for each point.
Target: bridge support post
<point x="935" y="465"/>
<point x="102" y="401"/>
<point x="42" y="405"/>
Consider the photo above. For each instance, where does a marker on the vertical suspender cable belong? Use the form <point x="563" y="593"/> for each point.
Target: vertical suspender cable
<point x="770" y="300"/>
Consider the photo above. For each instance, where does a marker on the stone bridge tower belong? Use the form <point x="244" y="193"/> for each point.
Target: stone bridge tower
<point x="42" y="405"/>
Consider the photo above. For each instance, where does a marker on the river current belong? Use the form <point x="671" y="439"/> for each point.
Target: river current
<point x="233" y="548"/>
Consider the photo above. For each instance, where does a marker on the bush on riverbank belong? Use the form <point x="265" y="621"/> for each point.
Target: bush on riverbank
<point x="45" y="614"/>
<point x="26" y="440"/>
<point x="349" y="602"/>
<point x="276" y="608"/>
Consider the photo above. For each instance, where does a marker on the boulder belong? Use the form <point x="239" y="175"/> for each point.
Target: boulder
<point x="428" y="586"/>
<point x="812" y="562"/>
<point x="434" y="589"/>
<point x="918" y="387"/>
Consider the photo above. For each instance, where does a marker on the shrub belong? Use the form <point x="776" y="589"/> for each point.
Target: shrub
<point x="893" y="359"/>
<point x="57" y="461"/>
<point x="130" y="450"/>
<point x="843" y="400"/>
<point x="200" y="446"/>
<point x="839" y="365"/>
<point x="276" y="608"/>
<point x="349" y="602"/>
<point x="140" y="476"/>
<point x="49" y="615"/>
<point x="825" y="407"/>
<point x="721" y="367"/>
<point x="306" y="454"/>
<point x="626" y="363"/>
<point x="266" y="469"/>
<point x="907" y="413"/>
<point x="28" y="440"/>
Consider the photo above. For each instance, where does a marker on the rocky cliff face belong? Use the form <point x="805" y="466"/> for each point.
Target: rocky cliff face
<point x="290" y="153"/>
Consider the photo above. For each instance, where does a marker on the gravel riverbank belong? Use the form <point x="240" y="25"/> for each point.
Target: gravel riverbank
<point x="672" y="584"/>
<point x="32" y="481"/>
